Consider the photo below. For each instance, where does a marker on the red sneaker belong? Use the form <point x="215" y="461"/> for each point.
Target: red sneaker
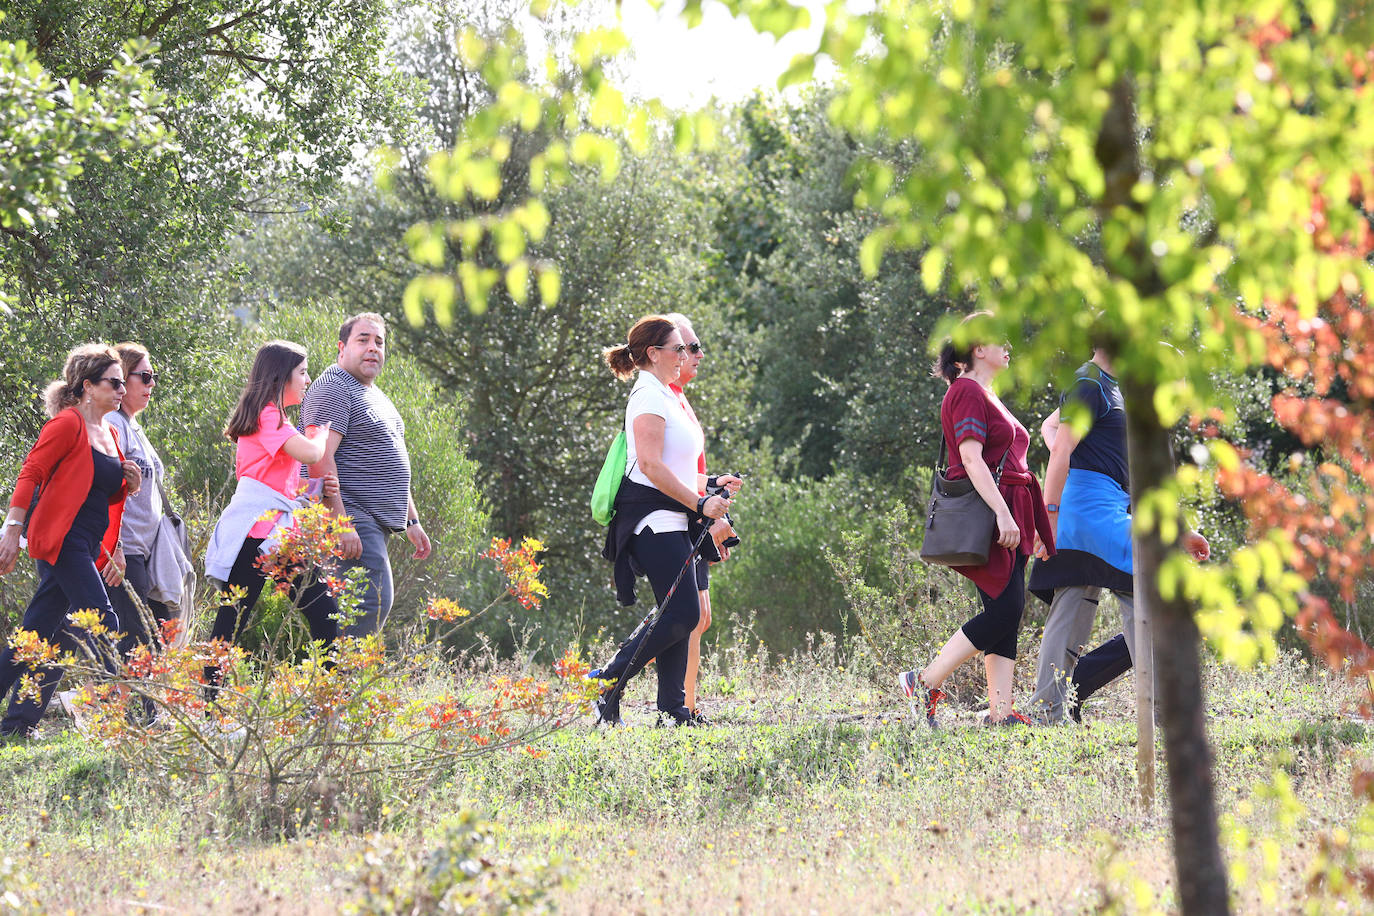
<point x="911" y="685"/>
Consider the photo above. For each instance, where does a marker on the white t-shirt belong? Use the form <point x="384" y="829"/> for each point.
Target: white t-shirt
<point x="682" y="443"/>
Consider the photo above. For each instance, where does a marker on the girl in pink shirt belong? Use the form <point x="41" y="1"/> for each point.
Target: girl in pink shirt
<point x="271" y="451"/>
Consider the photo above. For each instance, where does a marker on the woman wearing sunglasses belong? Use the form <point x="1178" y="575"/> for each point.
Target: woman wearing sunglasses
<point x="71" y="491"/>
<point x="658" y="515"/>
<point x="147" y="532"/>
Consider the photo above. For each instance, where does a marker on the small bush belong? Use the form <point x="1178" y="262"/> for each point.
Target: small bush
<point x="459" y="875"/>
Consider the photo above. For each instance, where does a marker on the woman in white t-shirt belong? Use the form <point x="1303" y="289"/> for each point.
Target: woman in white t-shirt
<point x="658" y="513"/>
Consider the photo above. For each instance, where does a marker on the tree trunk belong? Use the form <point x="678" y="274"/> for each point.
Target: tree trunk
<point x="1188" y="755"/>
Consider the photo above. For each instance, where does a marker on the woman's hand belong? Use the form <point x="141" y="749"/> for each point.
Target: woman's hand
<point x="132" y="475"/>
<point x="113" y="573"/>
<point x="729" y="482"/>
<point x="1008" y="534"/>
<point x="9" y="548"/>
<point x="331" y="486"/>
<point x="715" y="507"/>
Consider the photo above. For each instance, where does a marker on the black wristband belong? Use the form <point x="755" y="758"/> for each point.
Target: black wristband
<point x="701" y="506"/>
<point x="712" y="482"/>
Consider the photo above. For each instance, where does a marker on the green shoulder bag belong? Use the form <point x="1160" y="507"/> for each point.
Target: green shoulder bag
<point x="608" y="481"/>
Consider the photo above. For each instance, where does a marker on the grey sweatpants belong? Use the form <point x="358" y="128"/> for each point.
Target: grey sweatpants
<point x="1067" y="629"/>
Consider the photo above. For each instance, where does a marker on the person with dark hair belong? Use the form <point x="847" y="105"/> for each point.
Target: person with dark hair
<point x="720" y="529"/>
<point x="71" y="491"/>
<point x="988" y="445"/>
<point x="659" y="514"/>
<point x="146" y="528"/>
<point x="366" y="451"/>
<point x="1088" y="491"/>
<point x="268" y="453"/>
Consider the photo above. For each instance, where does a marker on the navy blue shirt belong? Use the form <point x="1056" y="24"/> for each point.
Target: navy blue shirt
<point x="1103" y="449"/>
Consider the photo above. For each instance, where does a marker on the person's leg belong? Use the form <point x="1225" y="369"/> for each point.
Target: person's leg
<point x="374" y="602"/>
<point x="662" y="557"/>
<point x="126" y="597"/>
<point x="1099" y="668"/>
<point x="233" y="616"/>
<point x="955" y="652"/>
<point x="72" y="583"/>
<point x="987" y="631"/>
<point x="1067" y="628"/>
<point x="999" y="656"/>
<point x="999" y="669"/>
<point x="319" y="608"/>
<point x="694" y="641"/>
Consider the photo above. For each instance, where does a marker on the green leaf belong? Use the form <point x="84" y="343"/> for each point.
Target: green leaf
<point x="933" y="269"/>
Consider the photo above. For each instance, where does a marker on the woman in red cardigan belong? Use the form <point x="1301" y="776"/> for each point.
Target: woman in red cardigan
<point x="988" y="445"/>
<point x="71" y="490"/>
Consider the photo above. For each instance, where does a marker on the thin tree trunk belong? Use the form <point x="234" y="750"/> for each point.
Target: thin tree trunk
<point x="1188" y="755"/>
<point x="1144" y="662"/>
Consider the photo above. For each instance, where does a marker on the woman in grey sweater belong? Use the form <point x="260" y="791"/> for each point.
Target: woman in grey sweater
<point x="143" y="513"/>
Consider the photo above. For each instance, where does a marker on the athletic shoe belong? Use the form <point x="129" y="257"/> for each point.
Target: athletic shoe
<point x="1012" y="720"/>
<point x="682" y="717"/>
<point x="911" y="685"/>
<point x="700" y="720"/>
<point x="1076" y="712"/>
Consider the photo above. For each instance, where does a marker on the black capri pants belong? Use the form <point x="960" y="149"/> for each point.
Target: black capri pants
<point x="662" y="557"/>
<point x="994" y="631"/>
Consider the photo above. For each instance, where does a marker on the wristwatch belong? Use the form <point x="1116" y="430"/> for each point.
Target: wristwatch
<point x="12" y="522"/>
<point x="1051" y="507"/>
<point x="412" y="522"/>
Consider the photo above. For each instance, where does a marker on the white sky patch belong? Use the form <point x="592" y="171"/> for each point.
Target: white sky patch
<point x="722" y="58"/>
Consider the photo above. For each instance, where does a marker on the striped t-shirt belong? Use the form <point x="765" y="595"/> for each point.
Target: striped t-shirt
<point x="374" y="466"/>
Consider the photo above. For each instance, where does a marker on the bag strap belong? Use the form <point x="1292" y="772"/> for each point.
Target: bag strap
<point x="942" y="463"/>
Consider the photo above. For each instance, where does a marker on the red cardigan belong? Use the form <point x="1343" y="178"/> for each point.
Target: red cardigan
<point x="60" y="466"/>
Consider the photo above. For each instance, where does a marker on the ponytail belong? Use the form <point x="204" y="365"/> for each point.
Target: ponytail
<point x="620" y="361"/>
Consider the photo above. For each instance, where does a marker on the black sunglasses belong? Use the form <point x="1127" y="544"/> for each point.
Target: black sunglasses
<point x="146" y="377"/>
<point x="695" y="348"/>
<point x="115" y="383"/>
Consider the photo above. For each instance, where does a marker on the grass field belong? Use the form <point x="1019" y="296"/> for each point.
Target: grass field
<point x="815" y="793"/>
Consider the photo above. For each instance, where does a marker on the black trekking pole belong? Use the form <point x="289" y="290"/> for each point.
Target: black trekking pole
<point x="611" y="698"/>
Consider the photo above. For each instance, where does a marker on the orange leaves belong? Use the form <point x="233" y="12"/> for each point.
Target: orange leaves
<point x="520" y="569"/>
<point x="310" y="542"/>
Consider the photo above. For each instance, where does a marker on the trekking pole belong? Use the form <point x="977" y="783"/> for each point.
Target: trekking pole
<point x="654" y="616"/>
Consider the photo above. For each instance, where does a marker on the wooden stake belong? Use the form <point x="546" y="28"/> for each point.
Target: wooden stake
<point x="1144" y="691"/>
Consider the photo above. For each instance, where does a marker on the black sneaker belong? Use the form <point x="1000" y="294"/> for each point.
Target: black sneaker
<point x="682" y="717"/>
<point x="700" y="720"/>
<point x="607" y="709"/>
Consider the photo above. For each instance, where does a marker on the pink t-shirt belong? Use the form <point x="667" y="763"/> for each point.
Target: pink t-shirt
<point x="261" y="457"/>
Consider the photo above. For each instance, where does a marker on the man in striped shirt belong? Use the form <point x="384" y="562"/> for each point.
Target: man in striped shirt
<point x="367" y="451"/>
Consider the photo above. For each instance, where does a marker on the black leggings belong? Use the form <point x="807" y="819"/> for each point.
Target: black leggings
<point x="662" y="557"/>
<point x="993" y="632"/>
<point x="318" y="606"/>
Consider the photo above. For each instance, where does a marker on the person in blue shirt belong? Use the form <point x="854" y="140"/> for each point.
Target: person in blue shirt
<point x="1088" y="496"/>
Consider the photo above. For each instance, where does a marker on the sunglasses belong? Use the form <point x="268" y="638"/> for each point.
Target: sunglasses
<point x="695" y="348"/>
<point x="115" y="383"/>
<point x="680" y="349"/>
<point x="146" y="377"/>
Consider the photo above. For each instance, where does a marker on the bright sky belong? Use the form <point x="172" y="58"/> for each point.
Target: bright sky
<point x="721" y="57"/>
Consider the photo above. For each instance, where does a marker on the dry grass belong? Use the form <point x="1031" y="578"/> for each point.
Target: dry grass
<point x="815" y="794"/>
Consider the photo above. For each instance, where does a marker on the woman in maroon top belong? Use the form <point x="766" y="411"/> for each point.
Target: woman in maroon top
<point x="980" y="432"/>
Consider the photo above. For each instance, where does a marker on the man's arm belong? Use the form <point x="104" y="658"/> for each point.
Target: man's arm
<point x="351" y="546"/>
<point x="416" y="532"/>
